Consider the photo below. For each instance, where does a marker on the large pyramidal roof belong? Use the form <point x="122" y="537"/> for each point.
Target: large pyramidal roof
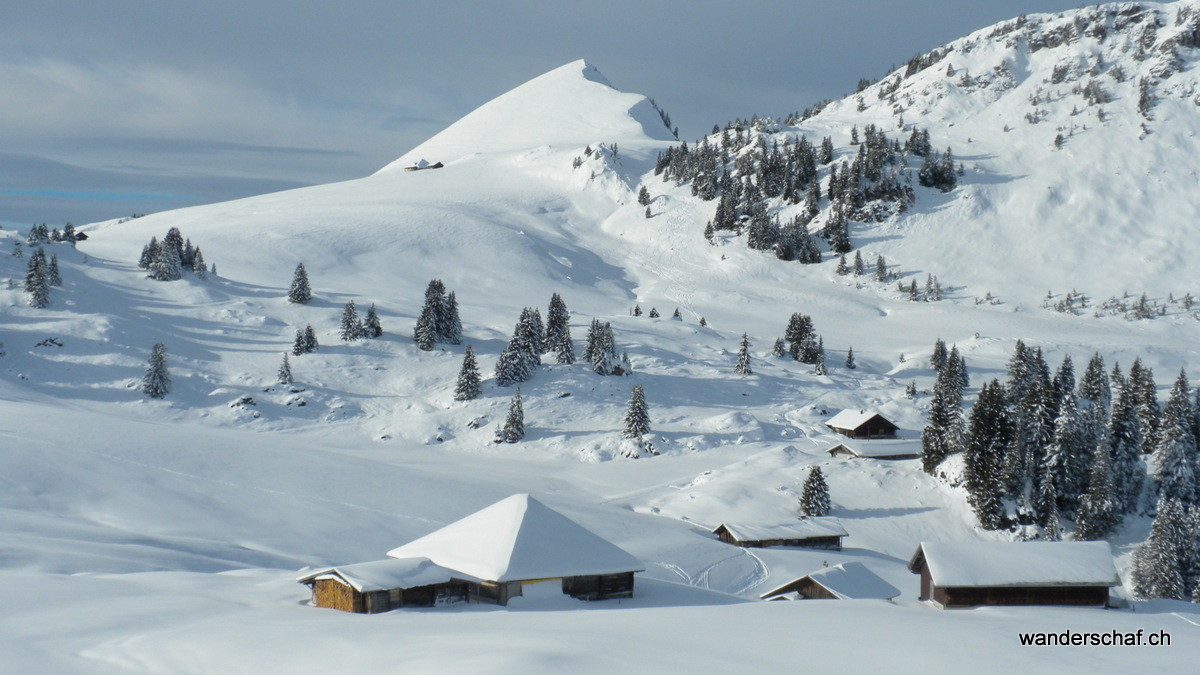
<point x="519" y="538"/>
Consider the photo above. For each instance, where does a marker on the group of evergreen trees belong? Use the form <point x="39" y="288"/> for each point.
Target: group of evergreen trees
<point x="167" y="260"/>
<point x="804" y="345"/>
<point x="601" y="351"/>
<point x="1167" y="564"/>
<point x="352" y="328"/>
<point x="1040" y="446"/>
<point x="439" y="320"/>
<point x="40" y="274"/>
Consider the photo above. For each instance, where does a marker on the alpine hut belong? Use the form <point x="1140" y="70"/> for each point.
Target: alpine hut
<point x="862" y="424"/>
<point x="877" y="449"/>
<point x="847" y="581"/>
<point x="969" y="574"/>
<point x="381" y="585"/>
<point x="823" y="532"/>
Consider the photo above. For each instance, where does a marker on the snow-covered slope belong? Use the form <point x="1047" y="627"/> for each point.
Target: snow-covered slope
<point x="166" y="535"/>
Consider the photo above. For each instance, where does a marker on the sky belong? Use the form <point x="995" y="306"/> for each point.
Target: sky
<point x="109" y="108"/>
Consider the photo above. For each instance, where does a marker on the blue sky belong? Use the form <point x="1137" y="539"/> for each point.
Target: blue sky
<point x="109" y="108"/>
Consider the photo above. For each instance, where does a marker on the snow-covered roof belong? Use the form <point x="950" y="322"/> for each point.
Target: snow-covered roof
<point x="797" y="529"/>
<point x="879" y="448"/>
<point x="852" y="419"/>
<point x="520" y="538"/>
<point x="380" y="575"/>
<point x="848" y="581"/>
<point x="1003" y="563"/>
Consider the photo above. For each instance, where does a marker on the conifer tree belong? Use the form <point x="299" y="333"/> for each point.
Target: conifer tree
<point x="778" y="349"/>
<point x="453" y="321"/>
<point x="881" y="273"/>
<point x="373" y="328"/>
<point x="298" y="344"/>
<point x="310" y="339"/>
<point x="1099" y="512"/>
<point x="199" y="267"/>
<point x="819" y="367"/>
<point x="911" y="390"/>
<point x="814" y="496"/>
<point x="842" y="268"/>
<point x="37" y="282"/>
<point x="53" y="276"/>
<point x="1094" y="386"/>
<point x="703" y="322"/>
<point x="1175" y="454"/>
<point x="989" y="432"/>
<point x="156" y="382"/>
<point x="637" y="415"/>
<point x="1145" y="393"/>
<point x="637" y="310"/>
<point x="1157" y="570"/>
<point x="467" y="387"/>
<point x="167" y="265"/>
<point x="351" y="329"/>
<point x="1126" y="446"/>
<point x="149" y="253"/>
<point x="944" y="412"/>
<point x="850" y="359"/>
<point x="1060" y="458"/>
<point x="653" y="313"/>
<point x="285" y="371"/>
<point x="858" y="264"/>
<point x="300" y="292"/>
<point x="939" y="356"/>
<point x="644" y="197"/>
<point x="558" y="328"/>
<point x="743" y="361"/>
<point x="425" y="332"/>
<point x="677" y="315"/>
<point x="514" y="425"/>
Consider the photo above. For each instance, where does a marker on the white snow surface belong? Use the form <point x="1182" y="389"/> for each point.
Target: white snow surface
<point x="796" y="529"/>
<point x="1001" y="563"/>
<point x="379" y="575"/>
<point x="850" y="419"/>
<point x="880" y="447"/>
<point x="519" y="538"/>
<point x="849" y="581"/>
<point x="164" y="535"/>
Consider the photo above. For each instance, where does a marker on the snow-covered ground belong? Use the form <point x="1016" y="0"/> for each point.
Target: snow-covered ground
<point x="165" y="536"/>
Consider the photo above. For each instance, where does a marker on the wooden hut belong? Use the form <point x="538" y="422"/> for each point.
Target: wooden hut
<point x="520" y="541"/>
<point x="877" y="449"/>
<point x="381" y="585"/>
<point x="862" y="424"/>
<point x="824" y="533"/>
<point x="847" y="581"/>
<point x="969" y="574"/>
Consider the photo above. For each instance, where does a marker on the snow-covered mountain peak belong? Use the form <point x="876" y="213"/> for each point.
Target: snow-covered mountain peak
<point x="571" y="105"/>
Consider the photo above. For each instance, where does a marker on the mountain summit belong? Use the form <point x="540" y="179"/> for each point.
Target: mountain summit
<point x="570" y="105"/>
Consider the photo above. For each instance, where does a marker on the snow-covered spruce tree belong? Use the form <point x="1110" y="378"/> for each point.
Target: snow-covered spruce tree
<point x="350" y="329"/>
<point x="637" y="310"/>
<point x="509" y="366"/>
<point x="156" y="382"/>
<point x="1033" y="430"/>
<point x="310" y="339"/>
<point x="1145" y="393"/>
<point x="199" y="267"/>
<point x="300" y="292"/>
<point x="944" y="411"/>
<point x="1175" y="454"/>
<point x="643" y="196"/>
<point x="1099" y="512"/>
<point x="814" y="496"/>
<point x="881" y="273"/>
<point x="435" y="309"/>
<point x="425" y="332"/>
<point x="1094" y="385"/>
<point x="637" y="415"/>
<point x="564" y="349"/>
<point x="1126" y="447"/>
<point x="1157" y="566"/>
<point x="37" y="281"/>
<point x="149" y="253"/>
<point x="988" y="434"/>
<point x="910" y="392"/>
<point x="653" y="313"/>
<point x="819" y="367"/>
<point x="167" y="265"/>
<point x="373" y="328"/>
<point x="514" y="425"/>
<point x="938" y="358"/>
<point x="743" y="361"/>
<point x="467" y="387"/>
<point x="453" y="321"/>
<point x="53" y="276"/>
<point x="850" y="363"/>
<point x="677" y="316"/>
<point x="703" y="322"/>
<point x="298" y="344"/>
<point x="558" y="327"/>
<point x="1045" y="502"/>
<point x="537" y="331"/>
<point x="842" y="268"/>
<point x="1060" y="457"/>
<point x="284" y="375"/>
<point x="858" y="264"/>
<point x="779" y="349"/>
